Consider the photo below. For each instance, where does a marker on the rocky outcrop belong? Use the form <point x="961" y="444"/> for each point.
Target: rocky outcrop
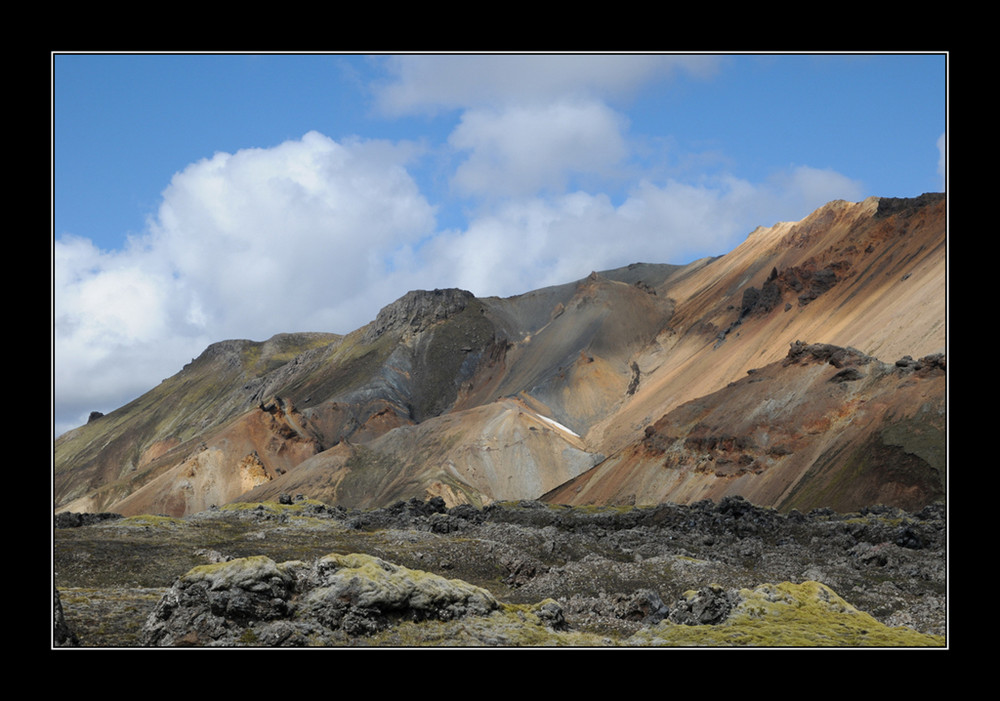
<point x="74" y="519"/>
<point x="888" y="206"/>
<point x="799" y="352"/>
<point x="809" y="614"/>
<point x="806" y="282"/>
<point x="62" y="636"/>
<point x="255" y="601"/>
<point x="416" y="310"/>
<point x="709" y="605"/>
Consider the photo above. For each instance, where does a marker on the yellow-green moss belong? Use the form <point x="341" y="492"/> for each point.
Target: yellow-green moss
<point x="789" y="615"/>
<point x="688" y="558"/>
<point x="146" y="521"/>
<point x="249" y="637"/>
<point x="272" y="507"/>
<point x="238" y="572"/>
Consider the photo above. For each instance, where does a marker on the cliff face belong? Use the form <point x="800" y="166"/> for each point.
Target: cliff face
<point x="638" y="385"/>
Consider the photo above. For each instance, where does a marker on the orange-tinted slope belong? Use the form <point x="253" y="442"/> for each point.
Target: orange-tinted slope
<point x="825" y="427"/>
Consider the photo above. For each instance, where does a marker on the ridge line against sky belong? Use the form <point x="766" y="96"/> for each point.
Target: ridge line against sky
<point x="202" y="197"/>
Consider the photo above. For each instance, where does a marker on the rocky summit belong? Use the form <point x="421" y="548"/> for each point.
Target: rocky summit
<point x="804" y="372"/>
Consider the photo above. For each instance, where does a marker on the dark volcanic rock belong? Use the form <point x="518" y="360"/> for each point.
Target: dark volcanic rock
<point x="836" y="356"/>
<point x="255" y="601"/>
<point x="417" y="309"/>
<point x="888" y="206"/>
<point x="762" y="301"/>
<point x="62" y="635"/>
<point x="708" y="606"/>
<point x="73" y="519"/>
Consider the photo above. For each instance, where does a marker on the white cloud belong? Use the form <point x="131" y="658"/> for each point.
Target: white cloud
<point x="795" y="193"/>
<point x="531" y="242"/>
<point x="116" y="330"/>
<point x="428" y="83"/>
<point x="523" y="150"/>
<point x="271" y="236"/>
<point x="293" y="238"/>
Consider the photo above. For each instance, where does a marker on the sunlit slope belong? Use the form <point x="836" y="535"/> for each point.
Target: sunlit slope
<point x="499" y="451"/>
<point x="847" y="275"/>
<point x="824" y="427"/>
<point x="99" y="463"/>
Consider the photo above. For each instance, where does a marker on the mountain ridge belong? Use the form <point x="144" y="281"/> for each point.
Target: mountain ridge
<point x="562" y="378"/>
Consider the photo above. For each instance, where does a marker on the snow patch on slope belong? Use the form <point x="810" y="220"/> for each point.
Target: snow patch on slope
<point x="558" y="425"/>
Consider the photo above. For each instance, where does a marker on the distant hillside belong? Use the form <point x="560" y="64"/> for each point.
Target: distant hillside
<point x="770" y="372"/>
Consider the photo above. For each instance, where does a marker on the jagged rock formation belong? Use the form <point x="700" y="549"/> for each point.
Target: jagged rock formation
<point x="417" y="310"/>
<point x="334" y="600"/>
<point x="257" y="601"/>
<point x="555" y="391"/>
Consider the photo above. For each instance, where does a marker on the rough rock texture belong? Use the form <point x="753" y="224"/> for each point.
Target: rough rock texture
<point x="709" y="605"/>
<point x="809" y="614"/>
<point x="62" y="636"/>
<point x="416" y="310"/>
<point x="257" y="601"/>
<point x="262" y="574"/>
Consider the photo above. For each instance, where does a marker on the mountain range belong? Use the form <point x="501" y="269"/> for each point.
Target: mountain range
<point x="804" y="369"/>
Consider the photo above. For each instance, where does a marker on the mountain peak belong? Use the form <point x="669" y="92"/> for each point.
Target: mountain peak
<point x="418" y="309"/>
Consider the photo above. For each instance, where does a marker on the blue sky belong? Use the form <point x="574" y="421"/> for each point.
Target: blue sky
<point x="198" y="198"/>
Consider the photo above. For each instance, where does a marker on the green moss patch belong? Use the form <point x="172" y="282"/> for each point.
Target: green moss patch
<point x="147" y="521"/>
<point x="789" y="615"/>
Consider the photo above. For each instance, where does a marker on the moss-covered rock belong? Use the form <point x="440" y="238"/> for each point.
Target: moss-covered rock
<point x="254" y="600"/>
<point x="787" y="615"/>
<point x="364" y="594"/>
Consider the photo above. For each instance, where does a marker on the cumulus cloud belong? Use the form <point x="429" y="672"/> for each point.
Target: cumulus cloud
<point x="293" y="238"/>
<point x="531" y="242"/>
<point x="290" y="231"/>
<point x="430" y="83"/>
<point x="523" y="150"/>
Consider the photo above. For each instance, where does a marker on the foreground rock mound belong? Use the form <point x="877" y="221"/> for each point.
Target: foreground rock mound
<point x="255" y="601"/>
<point x="809" y="614"/>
